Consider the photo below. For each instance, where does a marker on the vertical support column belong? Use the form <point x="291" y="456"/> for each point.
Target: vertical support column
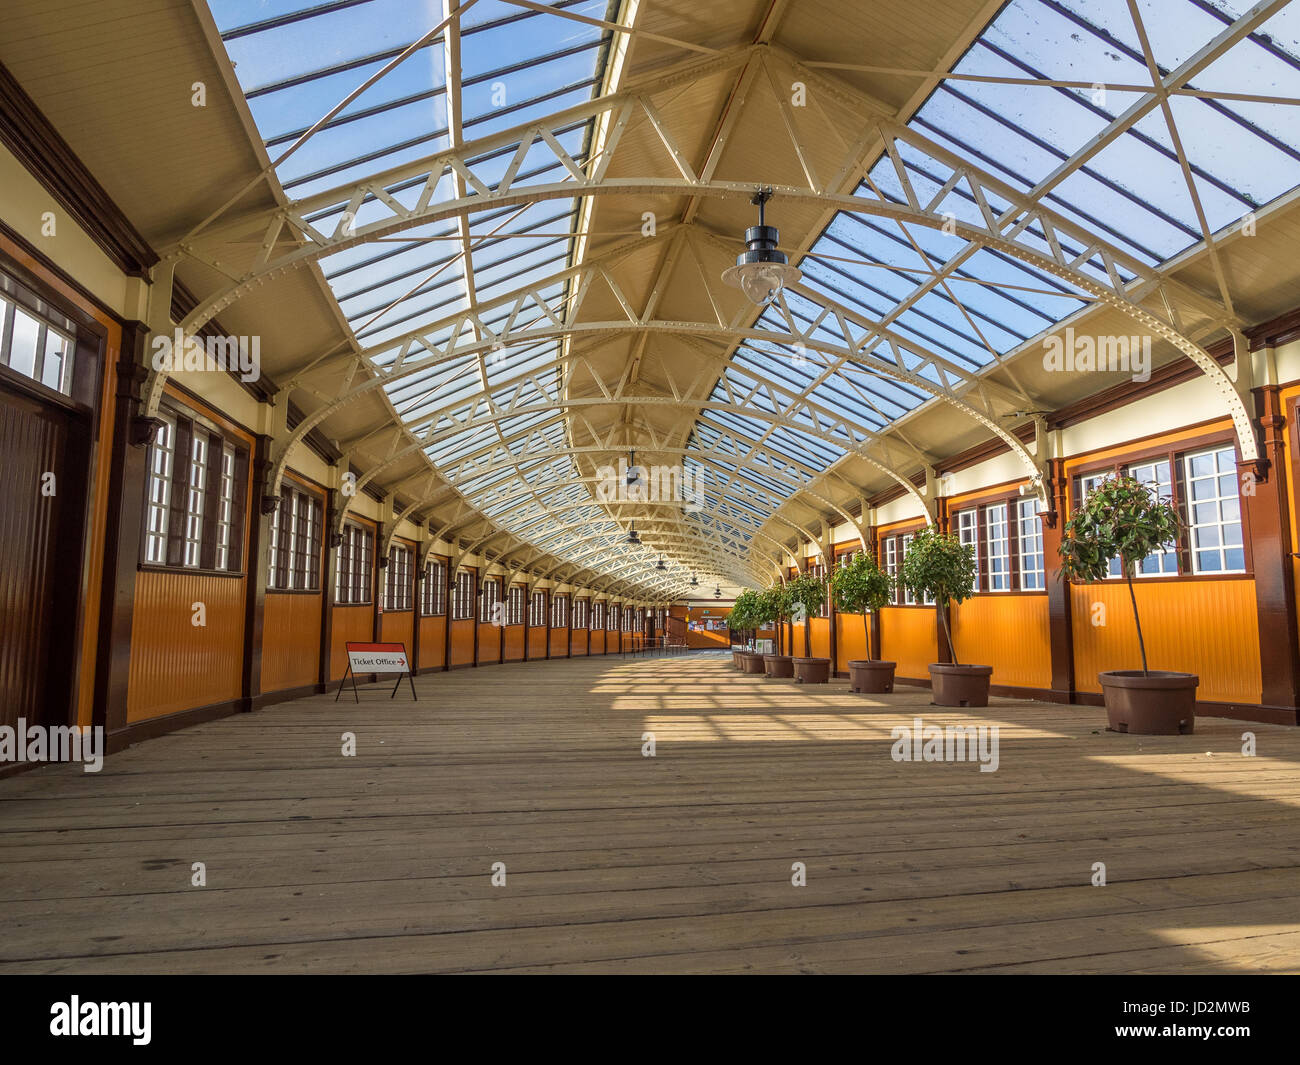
<point x="451" y="613"/>
<point x="122" y="533"/>
<point x="1268" y="513"/>
<point x="257" y="570"/>
<point x="1060" y="619"/>
<point x="329" y="583"/>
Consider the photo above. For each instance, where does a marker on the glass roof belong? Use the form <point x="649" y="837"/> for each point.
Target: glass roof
<point x="956" y="308"/>
<point x="1132" y="194"/>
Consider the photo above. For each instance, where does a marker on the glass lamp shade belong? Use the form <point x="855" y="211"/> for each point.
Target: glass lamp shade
<point x="761" y="281"/>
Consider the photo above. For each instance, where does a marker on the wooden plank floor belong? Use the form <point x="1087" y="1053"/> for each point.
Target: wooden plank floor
<point x="678" y="863"/>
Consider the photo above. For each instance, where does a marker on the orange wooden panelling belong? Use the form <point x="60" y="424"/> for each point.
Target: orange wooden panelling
<point x="462" y="642"/>
<point x="1009" y="633"/>
<point x="536" y="642"/>
<point x="176" y="665"/>
<point x="290" y="641"/>
<point x="712" y="640"/>
<point x="433" y="646"/>
<point x="350" y="624"/>
<point x="1209" y="628"/>
<point x="489" y="644"/>
<point x="578" y="642"/>
<point x="850" y="639"/>
<point x="821" y="637"/>
<point x="797" y="646"/>
<point x="598" y="642"/>
<point x="907" y="636"/>
<point x="514" y="640"/>
<point x="398" y="627"/>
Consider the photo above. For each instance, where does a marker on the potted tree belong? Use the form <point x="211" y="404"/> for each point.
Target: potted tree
<point x="862" y="587"/>
<point x="939" y="566"/>
<point x="807" y="595"/>
<point x="744" y="617"/>
<point x="1124" y="519"/>
<point x="773" y="608"/>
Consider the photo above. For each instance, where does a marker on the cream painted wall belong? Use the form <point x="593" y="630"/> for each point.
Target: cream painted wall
<point x="23" y="203"/>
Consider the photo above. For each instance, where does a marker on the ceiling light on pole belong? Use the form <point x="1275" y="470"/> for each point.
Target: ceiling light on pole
<point x="694" y="582"/>
<point x="661" y="565"/>
<point x="633" y="473"/>
<point x="717" y="593"/>
<point x="762" y="271"/>
<point x="632" y="537"/>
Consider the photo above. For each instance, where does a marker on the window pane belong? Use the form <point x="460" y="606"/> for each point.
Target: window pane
<point x="1215" y="513"/>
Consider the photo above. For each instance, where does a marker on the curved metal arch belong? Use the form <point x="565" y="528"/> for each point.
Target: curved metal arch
<point x="670" y="531"/>
<point x="597" y="502"/>
<point x="557" y="323"/>
<point x="602" y="401"/>
<point x="901" y="213"/>
<point x="730" y="563"/>
<point x="618" y="108"/>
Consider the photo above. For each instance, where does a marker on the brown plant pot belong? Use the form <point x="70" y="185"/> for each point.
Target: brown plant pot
<point x="870" y="676"/>
<point x="1156" y="703"/>
<point x="751" y="662"/>
<point x="960" y="685"/>
<point x="812" y="670"/>
<point x="779" y="665"/>
<point x="735" y="658"/>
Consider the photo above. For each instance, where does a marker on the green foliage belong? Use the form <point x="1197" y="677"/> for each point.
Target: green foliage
<point x="744" y="612"/>
<point x="861" y="586"/>
<point x="938" y="566"/>
<point x="808" y="591"/>
<point x="1121" y="518"/>
<point x="771" y="606"/>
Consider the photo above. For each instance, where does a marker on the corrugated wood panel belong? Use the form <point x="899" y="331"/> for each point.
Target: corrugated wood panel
<point x="537" y="642"/>
<point x="1009" y="633"/>
<point x="398" y="627"/>
<point x="33" y="442"/>
<point x="1208" y="628"/>
<point x="850" y="639"/>
<point x="514" y="640"/>
<point x="462" y="642"/>
<point x="175" y="664"/>
<point x="821" y="637"/>
<point x="578" y="642"/>
<point x="351" y="624"/>
<point x="489" y="644"/>
<point x="290" y="641"/>
<point x="908" y="636"/>
<point x="433" y="642"/>
<point x="598" y="643"/>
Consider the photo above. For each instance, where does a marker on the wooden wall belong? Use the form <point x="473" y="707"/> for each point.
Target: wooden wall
<point x="290" y="640"/>
<point x="176" y="665"/>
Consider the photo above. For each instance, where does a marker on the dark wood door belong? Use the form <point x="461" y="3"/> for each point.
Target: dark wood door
<point x="40" y="558"/>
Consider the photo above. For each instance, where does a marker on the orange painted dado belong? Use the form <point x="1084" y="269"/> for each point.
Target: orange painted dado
<point x="433" y="642"/>
<point x="908" y="637"/>
<point x="398" y="626"/>
<point x="175" y="664"/>
<point x="514" y="637"/>
<point x="536" y="642"/>
<point x="850" y="640"/>
<point x="290" y="641"/>
<point x="1204" y="627"/>
<point x="1009" y="633"/>
<point x="350" y="624"/>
